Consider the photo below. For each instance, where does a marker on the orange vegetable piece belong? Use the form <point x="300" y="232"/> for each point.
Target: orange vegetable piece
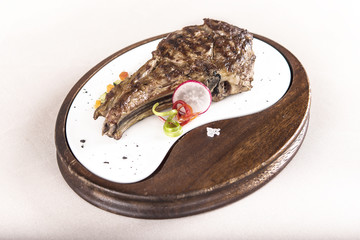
<point x="123" y="75"/>
<point x="109" y="87"/>
<point x="97" y="104"/>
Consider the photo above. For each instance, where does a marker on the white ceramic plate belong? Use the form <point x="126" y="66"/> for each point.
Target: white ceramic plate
<point x="143" y="146"/>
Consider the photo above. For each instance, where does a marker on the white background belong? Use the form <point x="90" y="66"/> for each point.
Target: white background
<point x="46" y="47"/>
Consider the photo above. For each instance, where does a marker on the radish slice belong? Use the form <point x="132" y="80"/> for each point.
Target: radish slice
<point x="194" y="93"/>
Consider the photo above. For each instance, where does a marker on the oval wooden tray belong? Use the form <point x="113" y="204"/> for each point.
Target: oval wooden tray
<point x="199" y="174"/>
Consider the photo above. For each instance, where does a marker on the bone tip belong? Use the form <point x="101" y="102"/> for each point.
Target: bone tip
<point x="109" y="129"/>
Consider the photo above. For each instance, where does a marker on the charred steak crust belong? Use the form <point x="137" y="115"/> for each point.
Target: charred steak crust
<point x="216" y="53"/>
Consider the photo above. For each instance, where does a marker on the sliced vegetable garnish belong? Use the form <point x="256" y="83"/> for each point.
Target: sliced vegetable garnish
<point x="171" y="127"/>
<point x="185" y="112"/>
<point x="123" y="75"/>
<point x="117" y="82"/>
<point x="195" y="94"/>
<point x="109" y="87"/>
<point x="102" y="97"/>
<point x="97" y="103"/>
<point x="101" y="100"/>
<point x="170" y="113"/>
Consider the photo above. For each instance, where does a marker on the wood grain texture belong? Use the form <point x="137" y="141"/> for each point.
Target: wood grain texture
<point x="200" y="173"/>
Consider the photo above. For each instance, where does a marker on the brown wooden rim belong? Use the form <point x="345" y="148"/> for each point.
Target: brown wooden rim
<point x="103" y="193"/>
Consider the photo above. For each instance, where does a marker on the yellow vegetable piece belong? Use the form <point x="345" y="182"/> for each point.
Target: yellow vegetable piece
<point x="109" y="87"/>
<point x="97" y="104"/>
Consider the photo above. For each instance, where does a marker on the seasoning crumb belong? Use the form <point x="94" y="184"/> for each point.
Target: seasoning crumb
<point x="82" y="141"/>
<point x="124" y="157"/>
<point x="106" y="162"/>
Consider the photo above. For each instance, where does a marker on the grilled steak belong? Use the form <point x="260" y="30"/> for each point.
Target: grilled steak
<point x="215" y="53"/>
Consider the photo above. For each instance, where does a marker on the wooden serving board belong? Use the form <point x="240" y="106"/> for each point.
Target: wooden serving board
<point x="200" y="174"/>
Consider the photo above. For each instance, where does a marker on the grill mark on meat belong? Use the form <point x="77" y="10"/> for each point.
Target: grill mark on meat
<point x="216" y="53"/>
